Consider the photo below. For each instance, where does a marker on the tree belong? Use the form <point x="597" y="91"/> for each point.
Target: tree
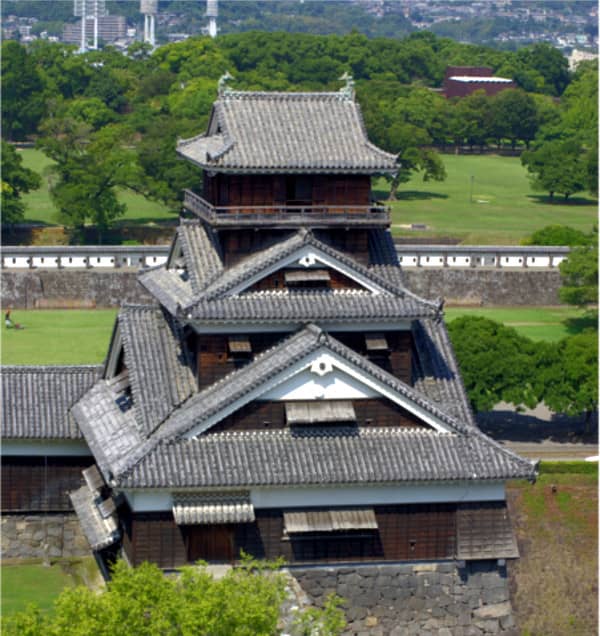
<point x="89" y="168"/>
<point x="579" y="274"/>
<point x="568" y="375"/>
<point x="558" y="235"/>
<point x="22" y="87"/>
<point x="143" y="601"/>
<point x="16" y="180"/>
<point x="515" y="116"/>
<point x="497" y="363"/>
<point x="557" y="166"/>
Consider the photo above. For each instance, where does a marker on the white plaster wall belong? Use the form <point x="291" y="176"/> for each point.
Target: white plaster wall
<point x="73" y="261"/>
<point x="538" y="261"/>
<point x="44" y="447"/>
<point x="409" y="260"/>
<point x="157" y="500"/>
<point x="45" y="262"/>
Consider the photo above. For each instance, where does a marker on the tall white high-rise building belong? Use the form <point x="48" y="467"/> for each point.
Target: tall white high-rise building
<point x="89" y="9"/>
<point x="149" y="8"/>
<point x="212" y="12"/>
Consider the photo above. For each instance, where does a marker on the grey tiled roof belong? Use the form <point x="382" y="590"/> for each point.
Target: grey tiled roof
<point x="201" y="253"/>
<point x="289" y="132"/>
<point x="305" y="306"/>
<point x="168" y="287"/>
<point x="241" y="382"/>
<point x="158" y="362"/>
<point x="279" y="458"/>
<point x="36" y="400"/>
<point x="436" y="372"/>
<point x="99" y="532"/>
<point x="111" y="434"/>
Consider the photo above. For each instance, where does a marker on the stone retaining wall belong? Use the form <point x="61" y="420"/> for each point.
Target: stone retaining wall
<point x="427" y="599"/>
<point x="42" y="536"/>
<point x="26" y="289"/>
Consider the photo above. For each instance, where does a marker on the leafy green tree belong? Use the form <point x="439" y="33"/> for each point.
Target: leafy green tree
<point x="550" y="63"/>
<point x="143" y="601"/>
<point x="497" y="363"/>
<point x="473" y="119"/>
<point x="515" y="116"/>
<point x="16" y="180"/>
<point x="558" y="235"/>
<point x="567" y="375"/>
<point x="579" y="274"/>
<point x="89" y="169"/>
<point x="22" y="92"/>
<point x="557" y="166"/>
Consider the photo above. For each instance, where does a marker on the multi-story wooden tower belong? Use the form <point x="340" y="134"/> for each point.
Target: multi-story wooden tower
<point x="287" y="395"/>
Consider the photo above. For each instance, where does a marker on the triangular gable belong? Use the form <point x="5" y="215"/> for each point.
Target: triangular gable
<point x="280" y="367"/>
<point x="300" y="251"/>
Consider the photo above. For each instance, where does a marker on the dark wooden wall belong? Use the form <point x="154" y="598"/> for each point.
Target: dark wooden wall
<point x="214" y="361"/>
<point x="225" y="190"/>
<point x="40" y="483"/>
<point x="406" y="532"/>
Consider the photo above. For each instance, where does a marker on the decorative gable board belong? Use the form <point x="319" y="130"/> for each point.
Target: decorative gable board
<point x="309" y="257"/>
<point x="323" y="375"/>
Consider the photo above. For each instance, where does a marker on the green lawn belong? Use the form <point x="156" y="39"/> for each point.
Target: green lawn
<point x="503" y="209"/>
<point x="40" y="208"/>
<point x="25" y="583"/>
<point x="70" y="336"/>
<point x="81" y="336"/>
<point x="537" y="323"/>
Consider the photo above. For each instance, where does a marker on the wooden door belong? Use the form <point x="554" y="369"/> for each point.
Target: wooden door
<point x="211" y="543"/>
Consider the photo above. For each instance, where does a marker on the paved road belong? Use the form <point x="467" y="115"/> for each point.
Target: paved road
<point x="540" y="434"/>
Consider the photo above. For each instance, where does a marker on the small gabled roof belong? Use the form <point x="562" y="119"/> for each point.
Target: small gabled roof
<point x="201" y="252"/>
<point x="286" y="132"/>
<point x="36" y="400"/>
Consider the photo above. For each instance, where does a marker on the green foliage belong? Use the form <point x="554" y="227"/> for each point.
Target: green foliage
<point x="571" y="468"/>
<point x="579" y="274"/>
<point x="495" y="361"/>
<point x="326" y="622"/>
<point x="143" y="601"/>
<point x="557" y="235"/>
<point x="16" y="180"/>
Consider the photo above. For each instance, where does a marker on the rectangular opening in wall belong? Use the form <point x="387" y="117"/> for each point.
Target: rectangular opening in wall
<point x="376" y="342"/>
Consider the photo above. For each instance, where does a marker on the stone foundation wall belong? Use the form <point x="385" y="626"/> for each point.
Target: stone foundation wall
<point x="472" y="286"/>
<point x="38" y="536"/>
<point x="31" y="289"/>
<point x="432" y="599"/>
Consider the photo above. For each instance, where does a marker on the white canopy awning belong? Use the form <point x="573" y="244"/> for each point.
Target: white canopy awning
<point x="212" y="508"/>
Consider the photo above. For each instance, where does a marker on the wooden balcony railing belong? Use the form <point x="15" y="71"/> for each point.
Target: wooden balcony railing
<point x="286" y="215"/>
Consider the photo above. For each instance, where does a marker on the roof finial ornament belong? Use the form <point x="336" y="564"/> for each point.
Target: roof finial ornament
<point x="347" y="92"/>
<point x="222" y="87"/>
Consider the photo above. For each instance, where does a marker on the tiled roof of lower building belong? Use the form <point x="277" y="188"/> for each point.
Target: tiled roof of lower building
<point x="36" y="400"/>
<point x="280" y="458"/>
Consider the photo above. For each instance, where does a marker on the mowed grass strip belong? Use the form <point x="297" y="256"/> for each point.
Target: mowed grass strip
<point x="485" y="200"/>
<point x="538" y="323"/>
<point x="41" y="209"/>
<point x="34" y="583"/>
<point x="69" y="336"/>
<point x="81" y="336"/>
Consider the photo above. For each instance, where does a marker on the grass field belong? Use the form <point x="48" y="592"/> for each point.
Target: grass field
<point x="81" y="336"/>
<point x="555" y="582"/>
<point x="537" y="323"/>
<point x="24" y="583"/>
<point x="40" y="208"/>
<point x="68" y="336"/>
<point x="498" y="208"/>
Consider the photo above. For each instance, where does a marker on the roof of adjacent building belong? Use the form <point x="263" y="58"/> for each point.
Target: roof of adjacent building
<point x="36" y="400"/>
<point x="286" y="132"/>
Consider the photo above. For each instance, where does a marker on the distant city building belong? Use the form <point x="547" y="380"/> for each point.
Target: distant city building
<point x="110" y="28"/>
<point x="460" y="81"/>
<point x="580" y="56"/>
<point x="149" y="8"/>
<point x="212" y="12"/>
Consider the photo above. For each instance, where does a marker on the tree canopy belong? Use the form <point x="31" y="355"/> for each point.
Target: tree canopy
<point x="16" y="180"/>
<point x="143" y="601"/>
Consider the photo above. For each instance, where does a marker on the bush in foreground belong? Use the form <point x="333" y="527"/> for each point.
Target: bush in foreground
<point x="143" y="601"/>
